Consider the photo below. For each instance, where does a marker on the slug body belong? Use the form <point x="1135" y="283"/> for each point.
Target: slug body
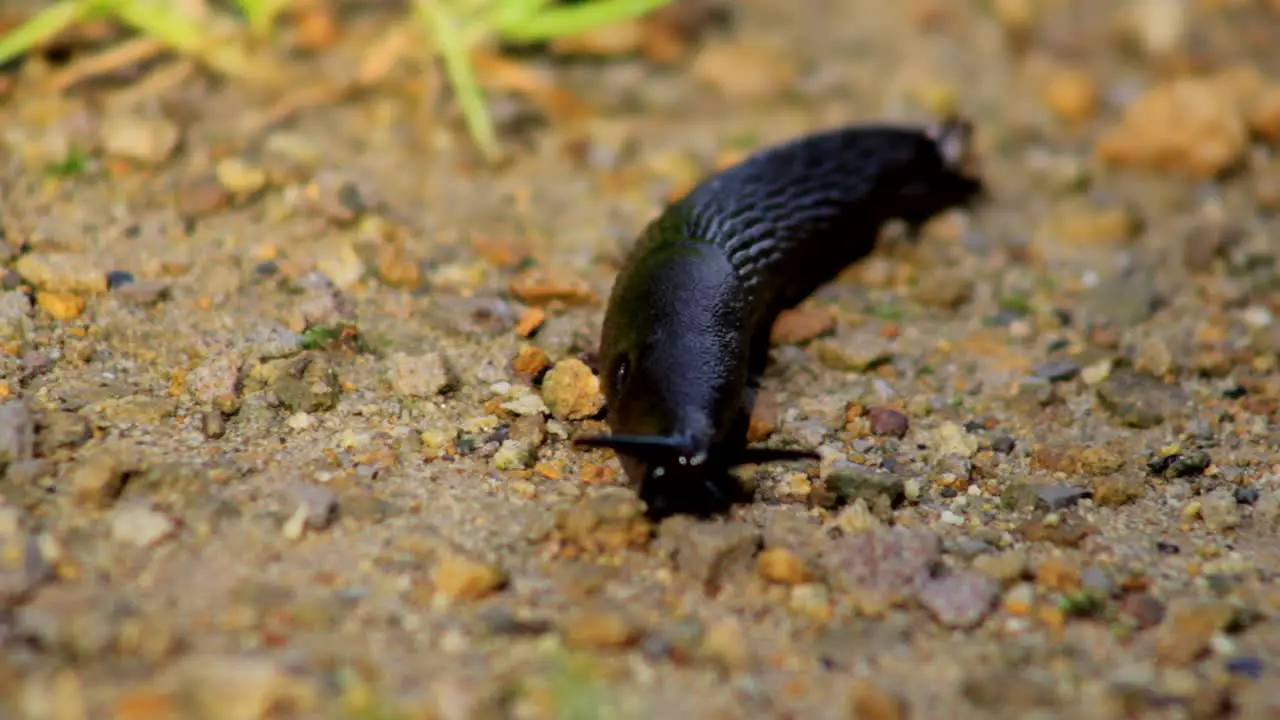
<point x="685" y="339"/>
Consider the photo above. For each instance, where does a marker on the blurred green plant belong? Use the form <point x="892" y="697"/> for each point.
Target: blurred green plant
<point x="456" y="28"/>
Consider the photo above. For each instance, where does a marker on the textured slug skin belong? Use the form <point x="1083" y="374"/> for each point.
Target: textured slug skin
<point x="686" y="332"/>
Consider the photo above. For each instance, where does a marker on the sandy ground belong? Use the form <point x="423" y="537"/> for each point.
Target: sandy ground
<point x="275" y="440"/>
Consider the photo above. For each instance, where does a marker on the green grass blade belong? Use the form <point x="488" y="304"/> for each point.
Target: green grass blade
<point x="453" y="51"/>
<point x="261" y="15"/>
<point x="575" y="19"/>
<point x="510" y="12"/>
<point x="44" y="25"/>
<point x="160" y="21"/>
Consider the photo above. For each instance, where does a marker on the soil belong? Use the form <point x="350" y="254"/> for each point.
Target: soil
<point x="279" y="437"/>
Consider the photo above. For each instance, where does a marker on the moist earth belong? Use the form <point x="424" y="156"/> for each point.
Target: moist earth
<point x="285" y="407"/>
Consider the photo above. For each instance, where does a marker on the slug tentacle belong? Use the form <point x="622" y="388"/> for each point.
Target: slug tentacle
<point x="685" y="340"/>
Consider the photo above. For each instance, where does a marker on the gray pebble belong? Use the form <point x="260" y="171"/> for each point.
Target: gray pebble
<point x="1060" y="497"/>
<point x="17" y="432"/>
<point x="15" y="316"/>
<point x="1059" y="370"/>
<point x="1141" y="400"/>
<point x="709" y="553"/>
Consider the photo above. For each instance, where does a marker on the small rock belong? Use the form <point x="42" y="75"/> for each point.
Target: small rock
<point x="1124" y="300"/>
<point x="1179" y="464"/>
<point x="213" y="424"/>
<point x="1002" y="567"/>
<point x="216" y="381"/>
<point x="725" y="644"/>
<point x="317" y="504"/>
<point x="1219" y="510"/>
<point x="397" y="267"/>
<point x="527" y="406"/>
<point x="944" y="288"/>
<point x="951" y="439"/>
<point x="1060" y="497"/>
<point x="60" y="305"/>
<point x="62" y="272"/>
<point x="200" y="196"/>
<point x="15" y="316"/>
<point x="1246" y="495"/>
<point x="139" y="138"/>
<point x="309" y="385"/>
<point x="1189" y="126"/>
<point x="1145" y="610"/>
<point x="1117" y="490"/>
<point x="857" y="517"/>
<point x="460" y="578"/>
<point x="780" y="565"/>
<point x="800" y="325"/>
<point x="140" y="525"/>
<point x="854" y="351"/>
<point x="530" y="362"/>
<point x="420" y="376"/>
<point x="850" y="482"/>
<point x="810" y="599"/>
<point x="1154" y="357"/>
<point x="514" y="455"/>
<point x="1071" y="94"/>
<point x="884" y="567"/>
<point x="599" y="629"/>
<point x="239" y="177"/>
<point x="145" y="292"/>
<point x="1264" y="116"/>
<point x="341" y="199"/>
<point x="960" y="600"/>
<point x="229" y="687"/>
<point x="23" y="566"/>
<point x="17" y="433"/>
<point x="1059" y="574"/>
<point x="541" y="285"/>
<point x="571" y="391"/>
<point x="609" y="519"/>
<point x="270" y="341"/>
<point x="868" y="701"/>
<point x="1141" y="400"/>
<point x="1187" y="629"/>
<point x="1057" y="370"/>
<point x="888" y="422"/>
<point x="1080" y="223"/>
<point x="97" y="479"/>
<point x="708" y="553"/>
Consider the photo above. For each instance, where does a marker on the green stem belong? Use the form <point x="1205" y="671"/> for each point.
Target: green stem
<point x="43" y="26"/>
<point x="575" y="19"/>
<point x="466" y="87"/>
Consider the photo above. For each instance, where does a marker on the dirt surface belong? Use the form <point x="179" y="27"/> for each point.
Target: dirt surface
<point x="275" y="440"/>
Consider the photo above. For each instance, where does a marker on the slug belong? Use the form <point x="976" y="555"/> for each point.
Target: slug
<point x="686" y="333"/>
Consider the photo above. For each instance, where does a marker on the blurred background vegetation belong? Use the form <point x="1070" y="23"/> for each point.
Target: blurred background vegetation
<point x="227" y="37"/>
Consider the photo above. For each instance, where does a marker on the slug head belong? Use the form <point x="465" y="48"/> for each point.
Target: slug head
<point x="944" y="175"/>
<point x="674" y="367"/>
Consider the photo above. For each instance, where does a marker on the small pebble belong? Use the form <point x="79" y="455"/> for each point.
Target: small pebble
<point x="140" y="525"/>
<point x="571" y="391"/>
<point x="461" y="578"/>
<point x="139" y="138"/>
<point x="420" y="376"/>
<point x="780" y="565"/>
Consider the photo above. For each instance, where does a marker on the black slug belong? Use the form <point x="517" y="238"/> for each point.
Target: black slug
<point x="685" y="338"/>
